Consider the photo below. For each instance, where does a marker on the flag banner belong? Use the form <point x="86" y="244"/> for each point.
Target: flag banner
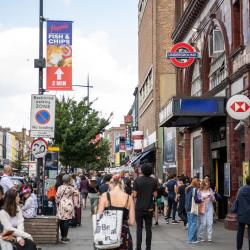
<point x="59" y="55"/>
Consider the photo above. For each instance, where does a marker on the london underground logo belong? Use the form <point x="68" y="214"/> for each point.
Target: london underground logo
<point x="182" y="55"/>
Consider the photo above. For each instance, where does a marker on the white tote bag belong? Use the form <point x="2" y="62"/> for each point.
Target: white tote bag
<point x="195" y="206"/>
<point x="107" y="229"/>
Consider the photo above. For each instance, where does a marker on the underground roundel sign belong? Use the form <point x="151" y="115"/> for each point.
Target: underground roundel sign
<point x="238" y="107"/>
<point x="182" y="55"/>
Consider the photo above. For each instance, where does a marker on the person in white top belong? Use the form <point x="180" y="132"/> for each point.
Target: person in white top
<point x="29" y="208"/>
<point x="6" y="182"/>
<point x="12" y="220"/>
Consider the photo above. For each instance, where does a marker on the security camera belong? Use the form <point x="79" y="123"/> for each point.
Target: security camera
<point x="239" y="125"/>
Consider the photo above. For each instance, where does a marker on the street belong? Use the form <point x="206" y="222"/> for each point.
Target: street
<point x="167" y="237"/>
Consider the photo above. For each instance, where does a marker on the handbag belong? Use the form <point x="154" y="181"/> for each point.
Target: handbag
<point x="107" y="228"/>
<point x="195" y="206"/>
<point x="202" y="208"/>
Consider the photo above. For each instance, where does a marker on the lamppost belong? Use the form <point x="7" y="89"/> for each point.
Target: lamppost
<point x="85" y="86"/>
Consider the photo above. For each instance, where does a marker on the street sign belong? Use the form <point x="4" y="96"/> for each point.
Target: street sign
<point x="42" y="117"/>
<point x="238" y="107"/>
<point x="39" y="148"/>
<point x="59" y="55"/>
<point x="182" y="55"/>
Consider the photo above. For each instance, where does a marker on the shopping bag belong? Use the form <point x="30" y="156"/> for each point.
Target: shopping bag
<point x="107" y="229"/>
<point x="202" y="208"/>
<point x="195" y="206"/>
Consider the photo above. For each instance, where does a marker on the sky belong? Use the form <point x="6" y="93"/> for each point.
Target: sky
<point x="104" y="46"/>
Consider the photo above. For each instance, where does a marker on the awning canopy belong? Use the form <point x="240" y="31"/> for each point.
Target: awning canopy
<point x="191" y="111"/>
<point x="146" y="155"/>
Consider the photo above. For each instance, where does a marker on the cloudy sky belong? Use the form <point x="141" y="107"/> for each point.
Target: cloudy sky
<point x="104" y="45"/>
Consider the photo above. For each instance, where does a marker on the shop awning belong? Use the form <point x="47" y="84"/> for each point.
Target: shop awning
<point x="191" y="111"/>
<point x="149" y="155"/>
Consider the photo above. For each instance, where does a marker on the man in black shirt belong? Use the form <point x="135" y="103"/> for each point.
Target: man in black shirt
<point x="145" y="191"/>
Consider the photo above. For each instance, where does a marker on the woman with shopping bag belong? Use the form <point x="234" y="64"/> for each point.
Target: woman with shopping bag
<point x="116" y="199"/>
<point x="206" y="211"/>
<point x="191" y="205"/>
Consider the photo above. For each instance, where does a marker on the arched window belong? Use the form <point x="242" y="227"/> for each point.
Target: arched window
<point x="196" y="80"/>
<point x="218" y="69"/>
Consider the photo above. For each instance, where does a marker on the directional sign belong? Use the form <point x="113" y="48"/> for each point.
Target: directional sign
<point x="182" y="55"/>
<point x="238" y="107"/>
<point x="39" y="148"/>
<point x="42" y="117"/>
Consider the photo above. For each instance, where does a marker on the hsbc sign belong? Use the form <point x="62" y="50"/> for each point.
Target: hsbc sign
<point x="238" y="107"/>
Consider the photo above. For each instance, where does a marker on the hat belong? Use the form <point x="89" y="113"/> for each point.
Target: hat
<point x="26" y="191"/>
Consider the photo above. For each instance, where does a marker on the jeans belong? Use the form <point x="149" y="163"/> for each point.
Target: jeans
<point x="192" y="227"/>
<point x="240" y="235"/>
<point x="64" y="228"/>
<point x="141" y="216"/>
<point x="171" y="204"/>
<point x="206" y="220"/>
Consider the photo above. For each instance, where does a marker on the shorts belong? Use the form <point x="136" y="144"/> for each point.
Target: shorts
<point x="165" y="201"/>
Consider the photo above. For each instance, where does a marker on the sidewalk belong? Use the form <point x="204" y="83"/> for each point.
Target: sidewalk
<point x="165" y="237"/>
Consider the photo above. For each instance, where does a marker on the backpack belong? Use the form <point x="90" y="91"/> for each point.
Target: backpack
<point x="107" y="228"/>
<point x="51" y="193"/>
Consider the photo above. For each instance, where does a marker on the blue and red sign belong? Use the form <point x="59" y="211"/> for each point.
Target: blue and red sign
<point x="42" y="117"/>
<point x="182" y="55"/>
<point x="59" y="55"/>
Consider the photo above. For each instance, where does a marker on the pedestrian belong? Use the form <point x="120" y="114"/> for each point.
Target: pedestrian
<point x="192" y="196"/>
<point x="65" y="206"/>
<point x="6" y="182"/>
<point x="242" y="208"/>
<point x="12" y="220"/>
<point x="1" y="197"/>
<point x="181" y="202"/>
<point x="28" y="209"/>
<point x="206" y="210"/>
<point x="171" y="189"/>
<point x="145" y="191"/>
<point x="105" y="184"/>
<point x="117" y="199"/>
<point x="84" y="186"/>
<point x="93" y="195"/>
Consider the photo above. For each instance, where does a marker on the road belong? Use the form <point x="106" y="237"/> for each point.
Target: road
<point x="165" y="237"/>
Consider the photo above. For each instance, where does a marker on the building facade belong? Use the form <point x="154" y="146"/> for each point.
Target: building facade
<point x="156" y="75"/>
<point x="211" y="142"/>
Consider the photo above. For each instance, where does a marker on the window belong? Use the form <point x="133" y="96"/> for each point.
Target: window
<point x="216" y="43"/>
<point x="236" y="25"/>
<point x="196" y="81"/>
<point x="146" y="88"/>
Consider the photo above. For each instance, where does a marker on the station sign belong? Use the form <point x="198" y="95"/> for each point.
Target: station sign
<point x="182" y="55"/>
<point x="59" y="55"/>
<point x="42" y="116"/>
<point x="238" y="107"/>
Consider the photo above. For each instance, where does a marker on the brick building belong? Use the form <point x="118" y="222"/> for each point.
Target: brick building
<point x="209" y="142"/>
<point x="156" y="75"/>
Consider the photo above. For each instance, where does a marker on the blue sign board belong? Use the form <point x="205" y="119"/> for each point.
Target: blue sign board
<point x="42" y="116"/>
<point x="198" y="106"/>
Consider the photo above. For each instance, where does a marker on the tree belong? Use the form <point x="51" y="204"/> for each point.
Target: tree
<point x="76" y="127"/>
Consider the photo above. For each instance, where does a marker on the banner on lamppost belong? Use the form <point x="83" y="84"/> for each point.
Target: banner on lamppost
<point x="59" y="55"/>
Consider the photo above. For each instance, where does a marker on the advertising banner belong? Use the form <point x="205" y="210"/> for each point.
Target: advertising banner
<point x="59" y="55"/>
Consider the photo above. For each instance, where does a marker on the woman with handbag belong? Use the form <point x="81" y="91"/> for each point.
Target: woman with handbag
<point x="206" y="211"/>
<point x="65" y="206"/>
<point x="117" y="199"/>
<point x="191" y="205"/>
<point x="11" y="218"/>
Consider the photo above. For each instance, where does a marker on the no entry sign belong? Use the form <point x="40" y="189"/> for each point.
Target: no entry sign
<point x="182" y="55"/>
<point x="238" y="107"/>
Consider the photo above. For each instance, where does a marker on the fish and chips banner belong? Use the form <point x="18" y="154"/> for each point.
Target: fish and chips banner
<point x="59" y="55"/>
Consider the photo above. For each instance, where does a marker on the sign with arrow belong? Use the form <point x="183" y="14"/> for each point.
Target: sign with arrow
<point x="238" y="107"/>
<point x="59" y="55"/>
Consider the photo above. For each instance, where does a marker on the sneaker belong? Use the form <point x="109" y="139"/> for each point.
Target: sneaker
<point x="65" y="241"/>
<point x="210" y="240"/>
<point x="175" y="222"/>
<point x="195" y="242"/>
<point x="186" y="227"/>
<point x="156" y="223"/>
<point x="167" y="221"/>
<point x="202" y="240"/>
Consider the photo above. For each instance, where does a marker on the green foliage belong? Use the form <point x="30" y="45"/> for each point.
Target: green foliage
<point x="77" y="125"/>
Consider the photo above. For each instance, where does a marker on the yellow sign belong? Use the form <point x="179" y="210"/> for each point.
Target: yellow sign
<point x="53" y="149"/>
<point x="245" y="171"/>
<point x="117" y="159"/>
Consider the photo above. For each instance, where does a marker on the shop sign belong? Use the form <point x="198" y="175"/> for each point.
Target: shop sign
<point x="182" y="55"/>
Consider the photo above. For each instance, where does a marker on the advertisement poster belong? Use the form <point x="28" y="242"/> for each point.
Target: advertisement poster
<point x="169" y="145"/>
<point x="245" y="171"/>
<point x="59" y="55"/>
